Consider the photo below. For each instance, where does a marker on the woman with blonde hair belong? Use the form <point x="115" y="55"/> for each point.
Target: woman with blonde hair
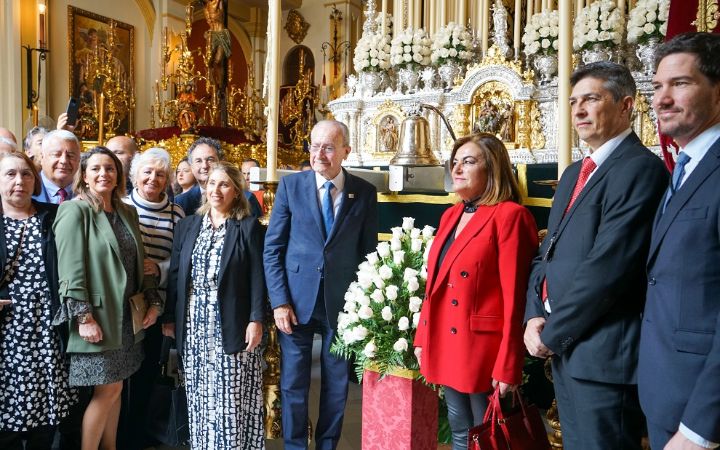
<point x="100" y="266"/>
<point x="215" y="309"/>
<point x="469" y="337"/>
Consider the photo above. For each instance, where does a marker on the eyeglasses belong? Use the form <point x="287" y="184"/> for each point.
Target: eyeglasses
<point x="326" y="149"/>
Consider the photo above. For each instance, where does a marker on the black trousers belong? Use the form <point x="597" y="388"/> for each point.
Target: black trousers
<point x="464" y="412"/>
<point x="40" y="438"/>
<point x="597" y="416"/>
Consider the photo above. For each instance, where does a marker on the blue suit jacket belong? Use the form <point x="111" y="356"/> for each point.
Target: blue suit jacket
<point x="594" y="265"/>
<point x="297" y="256"/>
<point x="191" y="200"/>
<point x="679" y="374"/>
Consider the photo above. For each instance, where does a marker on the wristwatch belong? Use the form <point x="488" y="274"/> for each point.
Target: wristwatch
<point x="84" y="318"/>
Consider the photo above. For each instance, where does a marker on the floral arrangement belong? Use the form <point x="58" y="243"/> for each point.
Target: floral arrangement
<point x="410" y="48"/>
<point x="382" y="308"/>
<point x="372" y="53"/>
<point x="451" y="43"/>
<point x="599" y="23"/>
<point x="648" y="20"/>
<point x="541" y="33"/>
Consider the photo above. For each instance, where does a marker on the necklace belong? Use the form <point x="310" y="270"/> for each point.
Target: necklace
<point x="469" y="206"/>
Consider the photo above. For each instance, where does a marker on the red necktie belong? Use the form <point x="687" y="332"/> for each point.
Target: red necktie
<point x="62" y="193"/>
<point x="588" y="165"/>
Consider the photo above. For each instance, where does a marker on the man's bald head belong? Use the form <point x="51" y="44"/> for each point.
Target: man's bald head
<point x="124" y="148"/>
<point x="7" y="134"/>
<point x="7" y="145"/>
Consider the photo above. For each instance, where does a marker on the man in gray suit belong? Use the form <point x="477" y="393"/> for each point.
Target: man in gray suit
<point x="322" y="225"/>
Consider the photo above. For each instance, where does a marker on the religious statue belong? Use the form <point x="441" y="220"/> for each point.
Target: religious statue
<point x="388" y="134"/>
<point x="218" y="38"/>
<point x="495" y="119"/>
<point x="187" y="109"/>
<point x="296" y="26"/>
<point x="500" y="25"/>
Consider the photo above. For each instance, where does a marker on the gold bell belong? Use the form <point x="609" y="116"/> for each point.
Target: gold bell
<point x="414" y="149"/>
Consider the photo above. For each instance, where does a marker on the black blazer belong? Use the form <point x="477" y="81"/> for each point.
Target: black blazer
<point x="593" y="258"/>
<point x="46" y="213"/>
<point x="241" y="287"/>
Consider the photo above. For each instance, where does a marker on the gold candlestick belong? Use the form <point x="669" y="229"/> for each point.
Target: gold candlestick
<point x="101" y="119"/>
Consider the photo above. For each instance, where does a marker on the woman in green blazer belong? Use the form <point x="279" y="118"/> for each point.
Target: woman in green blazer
<point x="100" y="266"/>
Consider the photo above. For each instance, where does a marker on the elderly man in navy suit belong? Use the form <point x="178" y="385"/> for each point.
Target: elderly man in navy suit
<point x="679" y="373"/>
<point x="323" y="224"/>
<point x="587" y="285"/>
<point x="202" y="155"/>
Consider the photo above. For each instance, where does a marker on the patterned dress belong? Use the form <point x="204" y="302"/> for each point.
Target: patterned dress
<point x="224" y="391"/>
<point x="34" y="387"/>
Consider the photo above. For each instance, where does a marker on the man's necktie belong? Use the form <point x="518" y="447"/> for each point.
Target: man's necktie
<point x="62" y="193"/>
<point x="677" y="176"/>
<point x="588" y="165"/>
<point x="327" y="207"/>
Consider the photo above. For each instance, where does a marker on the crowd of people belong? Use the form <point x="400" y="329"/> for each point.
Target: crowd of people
<point x="621" y="295"/>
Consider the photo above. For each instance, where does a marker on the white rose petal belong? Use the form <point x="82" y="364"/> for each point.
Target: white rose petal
<point x="395" y="244"/>
<point x="391" y="292"/>
<point x="427" y="232"/>
<point x="370" y="349"/>
<point x="408" y="223"/>
<point x="413" y="285"/>
<point x="383" y="249"/>
<point x="403" y="323"/>
<point x="414" y="304"/>
<point x="372" y="258"/>
<point x="386" y="314"/>
<point x="360" y="332"/>
<point x="365" y="312"/>
<point x="377" y="296"/>
<point x="400" y="345"/>
<point x="385" y="272"/>
<point x="398" y="257"/>
<point x="416" y="320"/>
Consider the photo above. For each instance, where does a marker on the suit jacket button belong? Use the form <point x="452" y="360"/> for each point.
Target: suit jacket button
<point x="454" y="302"/>
<point x="453" y="330"/>
<point x="464" y="274"/>
<point x="652" y="281"/>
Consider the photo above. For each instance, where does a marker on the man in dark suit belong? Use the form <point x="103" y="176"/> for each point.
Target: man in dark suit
<point x="587" y="284"/>
<point x="679" y="373"/>
<point x="203" y="154"/>
<point x="322" y="225"/>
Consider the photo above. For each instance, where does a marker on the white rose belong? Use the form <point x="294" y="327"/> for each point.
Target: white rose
<point x="416" y="320"/>
<point x="427" y="249"/>
<point x="352" y="317"/>
<point x="427" y="232"/>
<point x="417" y="57"/>
<point x="408" y="223"/>
<point x="651" y="16"/>
<point x="395" y="244"/>
<point x="397" y="232"/>
<point x="383" y="249"/>
<point x="391" y="292"/>
<point x="444" y="53"/>
<point x="378" y="282"/>
<point x="649" y="28"/>
<point x="400" y="345"/>
<point x="663" y="29"/>
<point x="592" y="35"/>
<point x="372" y="258"/>
<point x="360" y="332"/>
<point x="414" y="304"/>
<point x="365" y="312"/>
<point x="413" y="285"/>
<point x="409" y="273"/>
<point x="423" y="272"/>
<point x="370" y="349"/>
<point x="403" y="323"/>
<point x="385" y="272"/>
<point x="348" y="337"/>
<point x="349" y="306"/>
<point x="386" y="314"/>
<point x="545" y="43"/>
<point x="376" y="296"/>
<point x="349" y="295"/>
<point x="416" y="245"/>
<point x="407" y="57"/>
<point x="364" y="279"/>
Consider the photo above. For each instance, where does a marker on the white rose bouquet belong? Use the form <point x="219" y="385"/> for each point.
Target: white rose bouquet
<point x="382" y="308"/>
<point x="599" y="23"/>
<point x="647" y="20"/>
<point x="372" y="53"/>
<point x="451" y="43"/>
<point x="410" y="48"/>
<point x="541" y="33"/>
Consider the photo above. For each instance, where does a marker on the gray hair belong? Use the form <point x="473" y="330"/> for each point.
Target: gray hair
<point x="155" y="156"/>
<point x="34" y="131"/>
<point x="339" y="126"/>
<point x="9" y="143"/>
<point x="61" y="135"/>
<point x="210" y="142"/>
<point x="617" y="78"/>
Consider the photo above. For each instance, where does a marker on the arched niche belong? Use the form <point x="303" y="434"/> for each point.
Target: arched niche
<point x="291" y="64"/>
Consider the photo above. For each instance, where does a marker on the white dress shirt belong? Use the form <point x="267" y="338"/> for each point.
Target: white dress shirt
<point x="338" y="182"/>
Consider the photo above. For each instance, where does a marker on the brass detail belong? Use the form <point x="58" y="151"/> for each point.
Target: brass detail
<point x="537" y="138"/>
<point x="245" y="107"/>
<point x="495" y="57"/>
<point x="707" y="16"/>
<point x="523" y="185"/>
<point x="269" y="190"/>
<point x="414" y="148"/>
<point x="296" y="26"/>
<point x="447" y="199"/>
<point x="297" y="106"/>
<point x="462" y="120"/>
<point x="271" y="385"/>
<point x="644" y="125"/>
<point x="523" y="127"/>
<point x="493" y="111"/>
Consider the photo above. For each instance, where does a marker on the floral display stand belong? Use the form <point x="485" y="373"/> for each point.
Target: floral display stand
<point x="398" y="412"/>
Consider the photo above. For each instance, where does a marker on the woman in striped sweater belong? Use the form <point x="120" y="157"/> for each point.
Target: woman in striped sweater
<point x="150" y="173"/>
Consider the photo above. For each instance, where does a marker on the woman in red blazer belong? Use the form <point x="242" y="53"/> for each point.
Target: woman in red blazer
<point x="469" y="338"/>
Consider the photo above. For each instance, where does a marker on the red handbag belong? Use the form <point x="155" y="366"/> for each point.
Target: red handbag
<point x="522" y="429"/>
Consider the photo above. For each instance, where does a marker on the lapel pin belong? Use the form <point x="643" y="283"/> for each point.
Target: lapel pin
<point x="351" y="195"/>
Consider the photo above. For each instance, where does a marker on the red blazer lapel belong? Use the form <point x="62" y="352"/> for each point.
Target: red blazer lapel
<point x="481" y="217"/>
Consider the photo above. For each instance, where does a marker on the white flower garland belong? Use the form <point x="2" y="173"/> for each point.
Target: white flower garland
<point x="648" y="19"/>
<point x="541" y="33"/>
<point x="598" y="23"/>
<point x="410" y="48"/>
<point x="451" y="43"/>
<point x="372" y="53"/>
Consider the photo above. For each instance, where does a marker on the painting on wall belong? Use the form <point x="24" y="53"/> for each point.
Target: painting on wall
<point x="91" y="40"/>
